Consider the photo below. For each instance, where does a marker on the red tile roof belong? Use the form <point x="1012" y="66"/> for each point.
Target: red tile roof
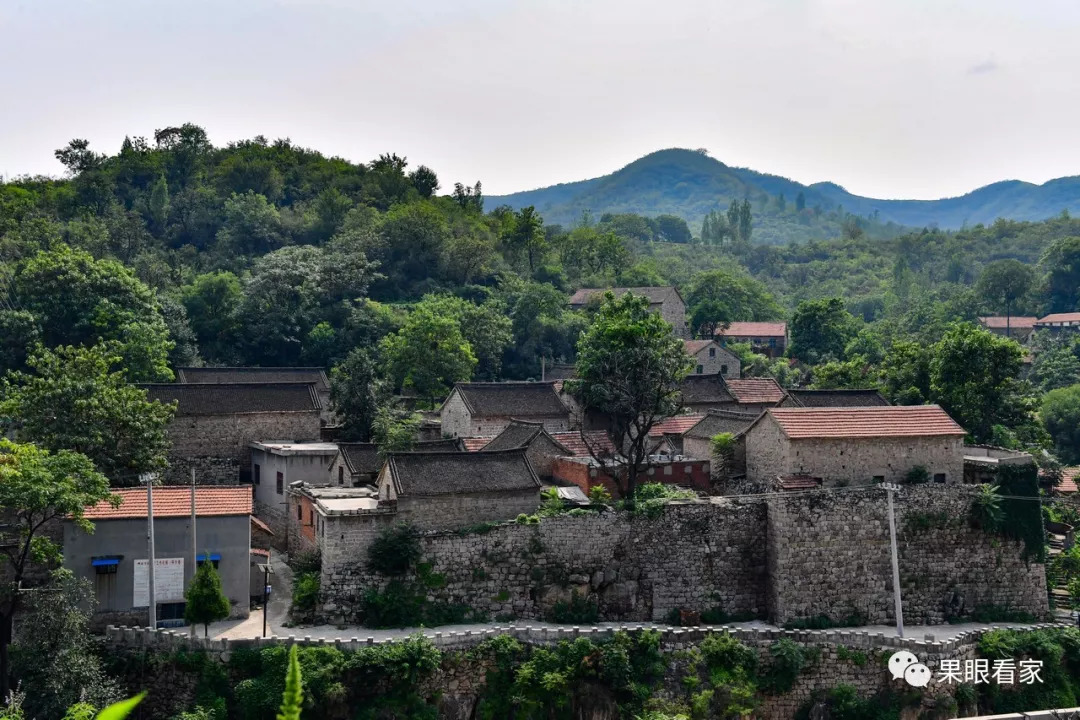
<point x="693" y="347"/>
<point x="868" y="422"/>
<point x="1060" y="317"/>
<point x="1000" y="322"/>
<point x="475" y="444"/>
<point x="675" y="425"/>
<point x="175" y="501"/>
<point x="256" y="523"/>
<point x="1069" y="476"/>
<point x="598" y="440"/>
<point x="754" y="329"/>
<point x="260" y="551"/>
<point x="755" y="390"/>
<point x="798" y="482"/>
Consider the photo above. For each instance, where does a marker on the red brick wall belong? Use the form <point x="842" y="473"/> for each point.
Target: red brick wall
<point x="675" y="473"/>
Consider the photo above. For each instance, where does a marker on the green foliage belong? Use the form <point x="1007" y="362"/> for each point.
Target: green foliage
<point x="306" y="587"/>
<point x="1058" y="648"/>
<point x="205" y="602"/>
<point x="719" y="297"/>
<point x="788" y="659"/>
<point x="986" y="510"/>
<point x="403" y="603"/>
<point x="1060" y="414"/>
<point x="918" y="475"/>
<point x="429" y="353"/>
<point x="1061" y="261"/>
<point x="578" y="610"/>
<point x="394" y="429"/>
<point x="120" y="710"/>
<point x="355" y="393"/>
<point x="651" y="498"/>
<point x="293" y="696"/>
<point x="599" y="495"/>
<point x="394" y="550"/>
<point x="1022" y="519"/>
<point x="820" y="330"/>
<point x="856" y="657"/>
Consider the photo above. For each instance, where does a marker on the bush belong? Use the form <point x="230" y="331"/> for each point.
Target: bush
<point x="305" y="591"/>
<point x="986" y="509"/>
<point x="306" y="561"/>
<point x="917" y="475"/>
<point x="579" y="610"/>
<point x="788" y="660"/>
<point x="599" y="495"/>
<point x="394" y="551"/>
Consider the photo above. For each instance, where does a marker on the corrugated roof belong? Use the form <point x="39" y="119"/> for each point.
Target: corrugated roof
<point x="676" y="425"/>
<point x="235" y="398"/>
<point x="512" y="399"/>
<point x="722" y="421"/>
<point x="1001" y="322"/>
<point x="462" y="472"/>
<point x="215" y="375"/>
<point x="1060" y="317"/>
<point x="755" y="390"/>
<point x="837" y="398"/>
<point x="890" y="421"/>
<point x="656" y="295"/>
<point x="754" y="329"/>
<point x="175" y="501"/>
<point x="579" y="446"/>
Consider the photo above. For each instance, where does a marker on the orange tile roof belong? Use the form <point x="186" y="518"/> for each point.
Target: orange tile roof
<point x="175" y="501"/>
<point x="1060" y="317"/>
<point x="675" y="425"/>
<point x="798" y="482"/>
<point x="256" y="523"/>
<point x="598" y="440"/>
<point x="475" y="444"/>
<point x="755" y="390"/>
<point x="1069" y="476"/>
<point x="260" y="551"/>
<point x="868" y="422"/>
<point x="754" y="329"/>
<point x="1000" y="322"/>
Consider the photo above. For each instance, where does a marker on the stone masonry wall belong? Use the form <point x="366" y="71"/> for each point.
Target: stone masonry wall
<point x="829" y="555"/>
<point x="229" y="436"/>
<point x="448" y="512"/>
<point x="208" y="470"/>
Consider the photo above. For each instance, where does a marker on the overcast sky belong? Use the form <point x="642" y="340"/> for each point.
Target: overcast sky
<point x="906" y="98"/>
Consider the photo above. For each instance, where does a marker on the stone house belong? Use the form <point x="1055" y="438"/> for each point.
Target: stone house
<point x="712" y="359"/>
<point x="664" y="300"/>
<point x="834" y="398"/>
<point x="447" y="490"/>
<point x="540" y="447"/>
<point x="114" y="560"/>
<point x="1019" y="328"/>
<point x="672" y="430"/>
<point x="697" y="440"/>
<point x="854" y="445"/>
<point x="701" y="393"/>
<point x="356" y="464"/>
<point x="767" y="338"/>
<point x="276" y="465"/>
<point x="1059" y="322"/>
<point x="310" y="506"/>
<point x="215" y="425"/>
<point x="755" y="394"/>
<point x="230" y="375"/>
<point x="484" y="409"/>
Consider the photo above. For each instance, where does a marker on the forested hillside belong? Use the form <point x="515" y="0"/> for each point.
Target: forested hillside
<point x="690" y="185"/>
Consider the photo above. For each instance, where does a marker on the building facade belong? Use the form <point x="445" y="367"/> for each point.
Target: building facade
<point x="664" y="300"/>
<point x="232" y="375"/>
<point x="1019" y="328"/>
<point x="711" y="359"/>
<point x="486" y="409"/>
<point x="276" y="465"/>
<point x="767" y="338"/>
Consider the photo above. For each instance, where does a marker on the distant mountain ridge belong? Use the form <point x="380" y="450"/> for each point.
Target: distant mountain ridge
<point x="690" y="184"/>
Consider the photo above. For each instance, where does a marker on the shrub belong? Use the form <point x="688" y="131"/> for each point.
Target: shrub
<point x="986" y="509"/>
<point x="306" y="587"/>
<point x="599" y="495"/>
<point x="788" y="660"/>
<point x="306" y="561"/>
<point x="579" y="609"/>
<point x="394" y="551"/>
<point x="917" y="475"/>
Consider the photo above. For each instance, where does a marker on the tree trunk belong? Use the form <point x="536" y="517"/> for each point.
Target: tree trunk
<point x="6" y="626"/>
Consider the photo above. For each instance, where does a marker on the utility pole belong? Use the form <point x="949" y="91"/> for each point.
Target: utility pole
<point x="889" y="489"/>
<point x="148" y="478"/>
<point x="194" y="540"/>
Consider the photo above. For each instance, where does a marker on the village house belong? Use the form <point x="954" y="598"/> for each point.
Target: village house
<point x="484" y="409"/>
<point x="1059" y="322"/>
<point x="854" y="445"/>
<point x="215" y="425"/>
<point x="664" y="300"/>
<point x="697" y="440"/>
<point x="230" y="375"/>
<point x="447" y="490"/>
<point x="274" y="466"/>
<point x="1018" y="328"/>
<point x="755" y="394"/>
<point x="114" y="558"/>
<point x="701" y="393"/>
<point x="1069" y="478"/>
<point x="671" y="429"/>
<point x="309" y="508"/>
<point x="834" y="398"/>
<point x="540" y="447"/>
<point x="712" y="359"/>
<point x="766" y="338"/>
<point x="356" y="464"/>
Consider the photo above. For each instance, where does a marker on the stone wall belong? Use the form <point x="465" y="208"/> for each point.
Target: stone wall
<point x="208" y="470"/>
<point x="229" y="436"/>
<point x="448" y="512"/>
<point x="829" y="555"/>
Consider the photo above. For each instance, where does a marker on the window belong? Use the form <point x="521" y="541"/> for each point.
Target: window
<point x="939" y="477"/>
<point x="772" y="342"/>
<point x="280" y="483"/>
<point x="723" y="369"/>
<point x="700" y="369"/>
<point x="255" y="473"/>
<point x="299" y="511"/>
<point x="105" y="565"/>
<point x="879" y="478"/>
<point x="712" y="352"/>
<point x="340" y="475"/>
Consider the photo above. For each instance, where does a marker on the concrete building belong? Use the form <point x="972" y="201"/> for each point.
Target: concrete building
<point x="309" y="508"/>
<point x="443" y="491"/>
<point x="981" y="462"/>
<point x="275" y="465"/>
<point x="712" y="359"/>
<point x="834" y="398"/>
<point x="114" y="557"/>
<point x="664" y="300"/>
<point x="767" y="338"/>
<point x="854" y="445"/>
<point x="1019" y="328"/>
<point x="215" y="425"/>
<point x="484" y="409"/>
<point x="1059" y="322"/>
<point x="540" y="447"/>
<point x="232" y="375"/>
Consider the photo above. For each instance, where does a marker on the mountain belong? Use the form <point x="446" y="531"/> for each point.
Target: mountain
<point x="690" y="184"/>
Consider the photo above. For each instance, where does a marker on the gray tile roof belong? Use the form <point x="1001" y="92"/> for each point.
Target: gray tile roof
<point x="364" y="457"/>
<point x="235" y="398"/>
<point x="516" y="435"/>
<point x="722" y="421"/>
<point x="199" y="375"/>
<point x="512" y="399"/>
<point x="656" y="295"/>
<point x="439" y="473"/>
<point x="837" y="398"/>
<point x="705" y="389"/>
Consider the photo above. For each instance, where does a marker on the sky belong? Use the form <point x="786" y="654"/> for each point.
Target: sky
<point x="889" y="98"/>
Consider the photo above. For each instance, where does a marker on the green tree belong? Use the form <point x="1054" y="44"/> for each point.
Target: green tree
<point x="37" y="489"/>
<point x="745" y="222"/>
<point x="800" y="202"/>
<point x="973" y="376"/>
<point x="204" y="600"/>
<point x="629" y="368"/>
<point x="672" y="229"/>
<point x="394" y="428"/>
<point x="76" y="399"/>
<point x="1060" y="415"/>
<point x="355" y="393"/>
<point x="820" y="330"/>
<point x="527" y="237"/>
<point x="211" y="301"/>
<point x="1005" y="282"/>
<point x="906" y="373"/>
<point x="252" y="226"/>
<point x="1061" y="263"/>
<point x="719" y="297"/>
<point x="428" y="354"/>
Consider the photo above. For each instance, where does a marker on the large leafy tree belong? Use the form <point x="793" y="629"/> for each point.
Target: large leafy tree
<point x="630" y="365"/>
<point x="719" y="297"/>
<point x="355" y="393"/>
<point x="1061" y="262"/>
<point x="76" y="398"/>
<point x="1060" y="415"/>
<point x="485" y="327"/>
<point x="37" y="488"/>
<point x="428" y="354"/>
<point x="211" y="301"/>
<point x="1005" y="282"/>
<point x="821" y="330"/>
